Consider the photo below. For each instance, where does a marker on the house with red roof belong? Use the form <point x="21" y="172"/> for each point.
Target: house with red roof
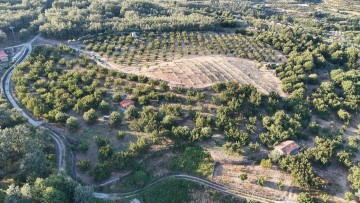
<point x="287" y="147"/>
<point x="3" y="56"/>
<point x="126" y="103"/>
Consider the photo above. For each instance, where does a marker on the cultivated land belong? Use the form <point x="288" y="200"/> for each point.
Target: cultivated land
<point x="189" y="59"/>
<point x="216" y="85"/>
<point x="205" y="71"/>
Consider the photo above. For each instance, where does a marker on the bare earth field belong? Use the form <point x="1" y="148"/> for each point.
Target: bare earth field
<point x="204" y="71"/>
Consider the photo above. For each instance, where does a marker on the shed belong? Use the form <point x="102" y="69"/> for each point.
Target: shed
<point x="3" y="56"/>
<point x="126" y="103"/>
<point x="133" y="34"/>
<point x="287" y="147"/>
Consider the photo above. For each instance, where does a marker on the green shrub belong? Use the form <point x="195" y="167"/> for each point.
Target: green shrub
<point x="193" y="160"/>
<point x="120" y="135"/>
<point x="83" y="165"/>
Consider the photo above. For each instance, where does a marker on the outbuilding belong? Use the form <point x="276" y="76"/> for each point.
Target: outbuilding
<point x="126" y="103"/>
<point x="4" y="57"/>
<point x="287" y="147"/>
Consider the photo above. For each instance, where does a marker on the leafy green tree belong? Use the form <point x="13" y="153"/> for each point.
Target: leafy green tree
<point x="116" y="97"/>
<point x="104" y="106"/>
<point x="120" y="135"/>
<point x="115" y="119"/>
<point x="84" y="194"/>
<point x="325" y="198"/>
<point x="349" y="196"/>
<point x="83" y="165"/>
<point x="131" y="113"/>
<point x="243" y="176"/>
<point x="90" y="116"/>
<point x="72" y="123"/>
<point x="323" y="150"/>
<point x="140" y="177"/>
<point x="280" y="127"/>
<point x="301" y="169"/>
<point x="101" y="171"/>
<point x="61" y="117"/>
<point x="35" y="165"/>
<point x="305" y="198"/>
<point x="354" y="178"/>
<point x="261" y="180"/>
<point x="105" y="152"/>
<point x="266" y="163"/>
<point x="345" y="116"/>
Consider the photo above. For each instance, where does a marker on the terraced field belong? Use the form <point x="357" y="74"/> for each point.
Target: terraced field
<point x="204" y="71"/>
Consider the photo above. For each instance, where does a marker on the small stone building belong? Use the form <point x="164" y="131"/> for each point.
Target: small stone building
<point x="287" y="147"/>
<point x="126" y="103"/>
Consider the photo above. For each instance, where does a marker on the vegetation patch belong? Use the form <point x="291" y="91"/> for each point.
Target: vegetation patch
<point x="193" y="160"/>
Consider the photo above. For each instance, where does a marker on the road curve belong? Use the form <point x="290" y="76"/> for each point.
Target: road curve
<point x="6" y="90"/>
<point x="220" y="188"/>
<point x="61" y="148"/>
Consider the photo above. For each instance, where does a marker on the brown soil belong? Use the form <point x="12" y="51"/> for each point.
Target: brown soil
<point x="204" y="71"/>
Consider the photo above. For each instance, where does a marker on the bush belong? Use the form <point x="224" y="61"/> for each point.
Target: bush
<point x="83" y="165"/>
<point x="116" y="97"/>
<point x="72" y="123"/>
<point x="83" y="147"/>
<point x="120" y="135"/>
<point x="243" y="176"/>
<point x="115" y="119"/>
<point x="104" y="106"/>
<point x="105" y="152"/>
<point x="61" y="117"/>
<point x="101" y="171"/>
<point x="193" y="160"/>
<point x="172" y="190"/>
<point x="305" y="197"/>
<point x="90" y="116"/>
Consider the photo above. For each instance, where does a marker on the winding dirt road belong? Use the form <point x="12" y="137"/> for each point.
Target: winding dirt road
<point x="61" y="147"/>
<point x="6" y="90"/>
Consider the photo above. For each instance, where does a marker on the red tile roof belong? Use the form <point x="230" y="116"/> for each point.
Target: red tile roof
<point x="3" y="54"/>
<point x="126" y="102"/>
<point x="287" y="147"/>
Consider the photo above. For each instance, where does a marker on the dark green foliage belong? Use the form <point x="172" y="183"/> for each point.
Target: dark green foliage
<point x="305" y="198"/>
<point x="83" y="165"/>
<point x="171" y="191"/>
<point x="115" y="119"/>
<point x="301" y="169"/>
<point x="101" y="171"/>
<point x="193" y="160"/>
<point x="280" y="127"/>
<point x="72" y="123"/>
<point x="90" y="116"/>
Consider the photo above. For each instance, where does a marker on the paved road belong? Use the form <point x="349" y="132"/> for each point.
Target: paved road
<point x="6" y="89"/>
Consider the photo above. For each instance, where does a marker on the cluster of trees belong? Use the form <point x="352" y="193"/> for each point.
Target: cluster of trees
<point x="144" y="48"/>
<point x="93" y="17"/>
<point x="27" y="160"/>
<point x="55" y="188"/>
<point x="26" y="153"/>
<point x="22" y="15"/>
<point x="110" y="161"/>
<point x="193" y="160"/>
<point x="339" y="95"/>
